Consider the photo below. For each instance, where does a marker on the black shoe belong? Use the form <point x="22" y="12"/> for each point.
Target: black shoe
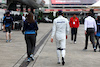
<point x="94" y="50"/>
<point x="85" y="49"/>
<point x="58" y="62"/>
<point x="96" y="46"/>
<point x="63" y="62"/>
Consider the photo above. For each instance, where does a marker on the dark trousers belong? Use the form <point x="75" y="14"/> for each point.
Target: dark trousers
<point x="73" y="32"/>
<point x="30" y="44"/>
<point x="90" y="32"/>
<point x="97" y="44"/>
<point x="8" y="29"/>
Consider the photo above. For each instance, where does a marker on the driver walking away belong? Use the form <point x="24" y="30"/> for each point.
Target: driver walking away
<point x="60" y="30"/>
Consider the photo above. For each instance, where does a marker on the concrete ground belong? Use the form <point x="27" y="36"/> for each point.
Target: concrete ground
<point x="12" y="53"/>
<point x="75" y="56"/>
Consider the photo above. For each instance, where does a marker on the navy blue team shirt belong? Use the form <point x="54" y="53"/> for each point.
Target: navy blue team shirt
<point x="30" y="28"/>
<point x="8" y="21"/>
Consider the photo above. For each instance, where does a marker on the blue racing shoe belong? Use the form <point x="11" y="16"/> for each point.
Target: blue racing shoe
<point x="6" y="41"/>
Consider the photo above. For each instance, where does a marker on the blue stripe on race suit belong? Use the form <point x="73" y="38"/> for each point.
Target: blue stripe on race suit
<point x="30" y="32"/>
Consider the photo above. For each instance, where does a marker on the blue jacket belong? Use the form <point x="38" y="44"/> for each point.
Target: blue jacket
<point x="98" y="29"/>
<point x="30" y="28"/>
<point x="8" y="21"/>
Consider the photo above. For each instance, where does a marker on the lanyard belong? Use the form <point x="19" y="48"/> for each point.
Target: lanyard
<point x="74" y="19"/>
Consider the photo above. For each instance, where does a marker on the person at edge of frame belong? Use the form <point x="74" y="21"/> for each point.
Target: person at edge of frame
<point x="90" y="30"/>
<point x="98" y="33"/>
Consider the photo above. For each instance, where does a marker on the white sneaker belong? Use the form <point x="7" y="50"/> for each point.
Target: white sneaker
<point x="10" y="40"/>
<point x="28" y="59"/>
<point x="75" y="42"/>
<point x="31" y="56"/>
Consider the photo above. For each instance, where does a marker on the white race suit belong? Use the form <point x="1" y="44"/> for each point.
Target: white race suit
<point x="60" y="29"/>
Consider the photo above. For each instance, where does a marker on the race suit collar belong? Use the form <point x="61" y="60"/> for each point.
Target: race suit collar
<point x="60" y="16"/>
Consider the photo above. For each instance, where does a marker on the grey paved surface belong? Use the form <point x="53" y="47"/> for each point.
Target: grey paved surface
<point x="75" y="56"/>
<point x="46" y="56"/>
<point x="10" y="53"/>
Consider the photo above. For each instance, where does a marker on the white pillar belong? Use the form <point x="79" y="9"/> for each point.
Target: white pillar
<point x="54" y="14"/>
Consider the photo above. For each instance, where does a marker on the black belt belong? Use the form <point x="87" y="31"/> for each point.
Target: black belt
<point x="90" y="28"/>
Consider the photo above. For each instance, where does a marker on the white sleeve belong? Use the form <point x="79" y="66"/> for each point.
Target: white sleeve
<point x="85" y="25"/>
<point x="53" y="29"/>
<point x="23" y="18"/>
<point x="67" y="28"/>
<point x="95" y="26"/>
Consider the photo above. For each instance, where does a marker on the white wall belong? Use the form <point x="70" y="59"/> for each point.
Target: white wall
<point x="1" y="14"/>
<point x="17" y="12"/>
<point x="47" y="2"/>
<point x="38" y="1"/>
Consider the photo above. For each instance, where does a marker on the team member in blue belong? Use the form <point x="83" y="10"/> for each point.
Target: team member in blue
<point x="8" y="22"/>
<point x="30" y="29"/>
<point x="98" y="33"/>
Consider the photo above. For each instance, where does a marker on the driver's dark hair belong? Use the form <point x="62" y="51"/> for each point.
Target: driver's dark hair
<point x="60" y="12"/>
<point x="89" y="13"/>
<point x="7" y="13"/>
